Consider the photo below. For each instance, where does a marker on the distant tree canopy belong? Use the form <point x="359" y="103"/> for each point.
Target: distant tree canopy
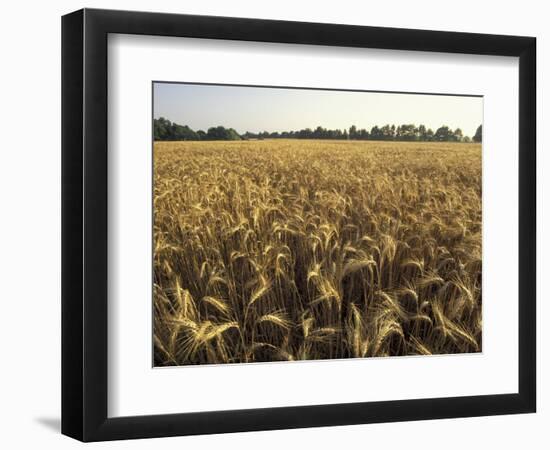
<point x="164" y="130"/>
<point x="478" y="136"/>
<point x="446" y="134"/>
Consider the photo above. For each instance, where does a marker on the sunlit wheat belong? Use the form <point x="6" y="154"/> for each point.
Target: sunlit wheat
<point x="300" y="249"/>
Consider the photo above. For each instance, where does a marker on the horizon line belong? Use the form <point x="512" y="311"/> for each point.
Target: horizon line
<point x="359" y="128"/>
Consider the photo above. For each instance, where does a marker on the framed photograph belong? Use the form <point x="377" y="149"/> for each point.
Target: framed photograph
<point x="273" y="224"/>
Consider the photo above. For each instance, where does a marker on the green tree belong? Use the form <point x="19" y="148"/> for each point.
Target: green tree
<point x="457" y="135"/>
<point x="220" y="133"/>
<point x="408" y="132"/>
<point x="443" y="133"/>
<point x="319" y="132"/>
<point x="387" y="132"/>
<point x="478" y="136"/>
<point x="375" y="133"/>
<point x="182" y="133"/>
<point x="422" y="133"/>
<point x="161" y="129"/>
<point x="429" y="134"/>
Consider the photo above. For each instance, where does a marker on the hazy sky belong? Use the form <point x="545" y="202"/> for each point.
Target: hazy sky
<point x="273" y="109"/>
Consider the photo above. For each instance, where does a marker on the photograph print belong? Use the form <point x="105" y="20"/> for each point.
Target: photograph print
<point x="298" y="224"/>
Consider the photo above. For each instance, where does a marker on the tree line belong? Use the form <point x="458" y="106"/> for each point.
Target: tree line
<point x="164" y="130"/>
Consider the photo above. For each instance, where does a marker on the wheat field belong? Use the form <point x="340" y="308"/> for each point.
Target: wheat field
<point x="283" y="250"/>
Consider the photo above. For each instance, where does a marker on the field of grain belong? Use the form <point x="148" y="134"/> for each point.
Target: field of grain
<point x="284" y="250"/>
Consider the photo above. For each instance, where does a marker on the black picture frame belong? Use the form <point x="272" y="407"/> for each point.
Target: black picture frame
<point x="84" y="224"/>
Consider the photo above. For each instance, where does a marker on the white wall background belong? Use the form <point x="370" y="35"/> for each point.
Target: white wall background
<point x="30" y="224"/>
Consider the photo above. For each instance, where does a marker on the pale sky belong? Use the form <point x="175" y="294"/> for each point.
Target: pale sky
<point x="258" y="109"/>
